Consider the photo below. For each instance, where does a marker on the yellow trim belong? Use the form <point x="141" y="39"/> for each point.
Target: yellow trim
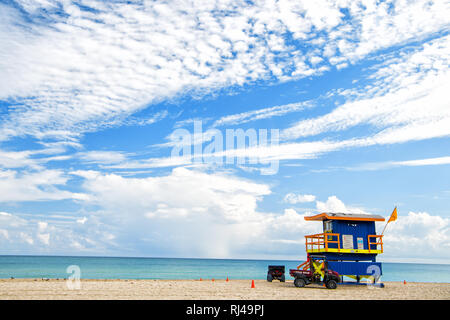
<point x="354" y="277"/>
<point x="344" y="250"/>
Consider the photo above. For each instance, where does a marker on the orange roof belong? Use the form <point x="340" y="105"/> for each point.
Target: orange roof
<point x="344" y="216"/>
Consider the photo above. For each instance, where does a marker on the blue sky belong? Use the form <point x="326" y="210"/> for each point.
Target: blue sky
<point x="93" y="93"/>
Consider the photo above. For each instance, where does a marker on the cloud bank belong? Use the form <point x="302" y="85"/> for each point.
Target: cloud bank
<point x="73" y="67"/>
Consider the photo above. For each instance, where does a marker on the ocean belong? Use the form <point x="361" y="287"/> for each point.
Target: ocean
<point x="176" y="268"/>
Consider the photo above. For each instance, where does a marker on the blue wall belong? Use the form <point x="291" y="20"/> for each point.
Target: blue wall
<point x="356" y="268"/>
<point x="349" y="256"/>
<point x="356" y="228"/>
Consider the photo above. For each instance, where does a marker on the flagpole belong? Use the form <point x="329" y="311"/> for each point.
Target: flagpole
<point x="384" y="227"/>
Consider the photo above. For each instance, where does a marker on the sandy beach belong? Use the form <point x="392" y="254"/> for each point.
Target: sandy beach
<point x="208" y="289"/>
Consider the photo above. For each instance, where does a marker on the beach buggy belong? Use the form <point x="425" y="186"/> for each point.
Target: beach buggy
<point x="315" y="270"/>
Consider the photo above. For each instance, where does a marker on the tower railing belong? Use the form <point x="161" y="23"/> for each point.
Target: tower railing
<point x="378" y="242"/>
<point x="321" y="241"/>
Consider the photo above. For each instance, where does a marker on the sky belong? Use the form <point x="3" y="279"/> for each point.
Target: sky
<point x="210" y="129"/>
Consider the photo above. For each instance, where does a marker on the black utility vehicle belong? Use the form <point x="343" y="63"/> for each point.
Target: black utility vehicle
<point x="275" y="273"/>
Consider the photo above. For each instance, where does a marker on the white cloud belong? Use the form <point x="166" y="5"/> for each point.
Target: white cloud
<point x="291" y="223"/>
<point x="34" y="186"/>
<point x="8" y="221"/>
<point x="212" y="215"/>
<point x="82" y="220"/>
<point x="392" y="104"/>
<point x="12" y="159"/>
<point x="186" y="211"/>
<point x="83" y="70"/>
<point x="31" y="159"/>
<point x="422" y="235"/>
<point x="44" y="238"/>
<point x="42" y="226"/>
<point x="216" y="218"/>
<point x="103" y="157"/>
<point x="334" y="204"/>
<point x="396" y="101"/>
<point x="206" y="205"/>
<point x="259" y="114"/>
<point x="76" y="245"/>
<point x="219" y="216"/>
<point x="26" y="238"/>
<point x="293" y="198"/>
<point x="54" y="235"/>
<point x="195" y="190"/>
<point x="405" y="163"/>
<point x="4" y="233"/>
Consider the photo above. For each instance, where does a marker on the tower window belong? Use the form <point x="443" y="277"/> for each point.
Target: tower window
<point x="327" y="226"/>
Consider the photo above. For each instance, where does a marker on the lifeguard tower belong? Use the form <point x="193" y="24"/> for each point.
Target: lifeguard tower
<point x="348" y="245"/>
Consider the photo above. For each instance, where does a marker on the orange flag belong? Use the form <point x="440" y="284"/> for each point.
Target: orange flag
<point x="393" y="215"/>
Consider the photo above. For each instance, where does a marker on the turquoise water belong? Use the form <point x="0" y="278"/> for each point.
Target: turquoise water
<point x="166" y="268"/>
